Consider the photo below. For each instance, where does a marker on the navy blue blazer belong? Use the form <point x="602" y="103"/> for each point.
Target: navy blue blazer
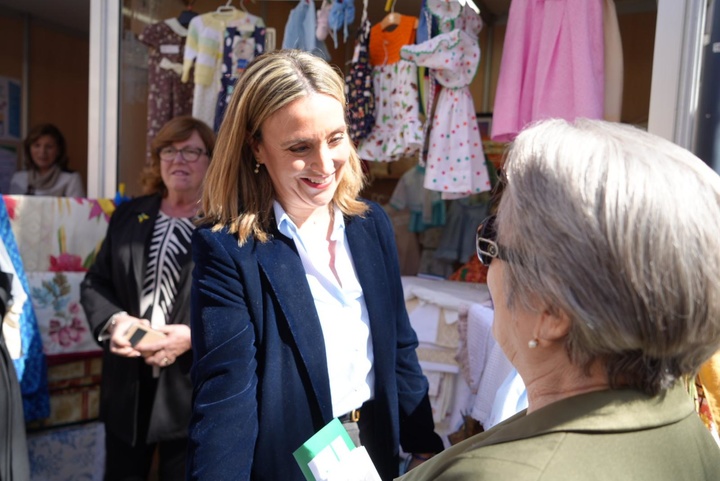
<point x="260" y="375"/>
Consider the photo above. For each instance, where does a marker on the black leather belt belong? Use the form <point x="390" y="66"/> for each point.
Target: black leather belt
<point x="350" y="417"/>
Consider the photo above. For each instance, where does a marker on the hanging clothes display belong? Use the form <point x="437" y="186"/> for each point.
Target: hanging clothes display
<point x="238" y="51"/>
<point x="301" y="30"/>
<point x="427" y="209"/>
<point x="455" y="163"/>
<point x="342" y="15"/>
<point x="552" y="64"/>
<point x="204" y="49"/>
<point x="168" y="96"/>
<point x="398" y="130"/>
<point x="322" y="28"/>
<point x="359" y="93"/>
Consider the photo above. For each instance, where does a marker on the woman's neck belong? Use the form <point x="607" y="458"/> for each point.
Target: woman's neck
<point x="560" y="383"/>
<point x="319" y="218"/>
<point x="178" y="205"/>
<point x="45" y="170"/>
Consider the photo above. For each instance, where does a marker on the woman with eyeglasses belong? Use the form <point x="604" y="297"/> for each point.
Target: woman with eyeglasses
<point x="142" y="276"/>
<point x="604" y="270"/>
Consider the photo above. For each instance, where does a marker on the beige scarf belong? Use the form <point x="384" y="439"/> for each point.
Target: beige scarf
<point x="38" y="181"/>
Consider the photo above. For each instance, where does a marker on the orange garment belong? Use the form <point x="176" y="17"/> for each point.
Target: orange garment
<point x="709" y="377"/>
<point x="385" y="45"/>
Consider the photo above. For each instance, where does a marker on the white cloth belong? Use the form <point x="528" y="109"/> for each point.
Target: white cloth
<point x="488" y="364"/>
<point x="511" y="398"/>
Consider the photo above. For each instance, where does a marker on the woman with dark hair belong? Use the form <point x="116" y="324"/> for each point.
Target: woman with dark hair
<point x="141" y="277"/>
<point x="47" y="166"/>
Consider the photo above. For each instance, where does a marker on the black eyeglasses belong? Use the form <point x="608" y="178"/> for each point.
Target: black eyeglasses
<point x="188" y="154"/>
<point x="485" y="244"/>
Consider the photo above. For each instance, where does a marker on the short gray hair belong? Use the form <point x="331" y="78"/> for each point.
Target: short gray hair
<point x="619" y="230"/>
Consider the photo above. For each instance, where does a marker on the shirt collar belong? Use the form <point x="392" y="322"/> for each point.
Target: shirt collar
<point x="288" y="228"/>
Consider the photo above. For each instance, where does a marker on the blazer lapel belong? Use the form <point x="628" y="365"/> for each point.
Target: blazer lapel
<point x="281" y="264"/>
<point x="146" y="214"/>
<point x="369" y="262"/>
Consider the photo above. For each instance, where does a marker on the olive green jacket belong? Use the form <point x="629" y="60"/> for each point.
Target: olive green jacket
<point x="614" y="435"/>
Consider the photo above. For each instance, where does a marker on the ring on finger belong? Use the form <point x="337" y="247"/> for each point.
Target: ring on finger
<point x="165" y="361"/>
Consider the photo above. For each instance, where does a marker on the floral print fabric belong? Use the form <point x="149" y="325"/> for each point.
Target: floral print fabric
<point x="63" y="327"/>
<point x="58" y="233"/>
<point x="398" y="130"/>
<point x="168" y="97"/>
<point x="359" y="89"/>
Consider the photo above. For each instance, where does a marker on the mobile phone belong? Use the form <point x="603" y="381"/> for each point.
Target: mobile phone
<point x="140" y="335"/>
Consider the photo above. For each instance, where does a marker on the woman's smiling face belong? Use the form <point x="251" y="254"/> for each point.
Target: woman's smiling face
<point x="305" y="147"/>
<point x="44" y="152"/>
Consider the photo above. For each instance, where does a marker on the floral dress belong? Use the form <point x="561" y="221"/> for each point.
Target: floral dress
<point x="168" y="97"/>
<point x="398" y="130"/>
<point x="359" y="91"/>
<point x="455" y="163"/>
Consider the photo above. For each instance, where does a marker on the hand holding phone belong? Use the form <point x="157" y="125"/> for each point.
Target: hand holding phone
<point x="140" y="335"/>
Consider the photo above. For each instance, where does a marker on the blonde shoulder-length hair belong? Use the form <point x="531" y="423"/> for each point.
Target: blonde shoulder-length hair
<point x="234" y="196"/>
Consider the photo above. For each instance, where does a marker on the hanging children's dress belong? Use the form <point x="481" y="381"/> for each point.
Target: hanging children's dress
<point x="204" y="49"/>
<point x="238" y="51"/>
<point x="552" y="64"/>
<point x="359" y="93"/>
<point x="168" y="97"/>
<point x="301" y="30"/>
<point x="398" y="130"/>
<point x="455" y="162"/>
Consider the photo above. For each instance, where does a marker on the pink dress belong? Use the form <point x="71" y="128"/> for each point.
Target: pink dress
<point x="552" y="64"/>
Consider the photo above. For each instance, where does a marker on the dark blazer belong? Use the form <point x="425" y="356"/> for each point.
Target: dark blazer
<point x="113" y="284"/>
<point x="612" y="435"/>
<point x="260" y="379"/>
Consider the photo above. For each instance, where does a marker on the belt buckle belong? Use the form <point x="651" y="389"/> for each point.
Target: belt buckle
<point x="355" y="415"/>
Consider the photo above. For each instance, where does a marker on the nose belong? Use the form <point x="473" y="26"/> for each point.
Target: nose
<point x="179" y="156"/>
<point x="323" y="162"/>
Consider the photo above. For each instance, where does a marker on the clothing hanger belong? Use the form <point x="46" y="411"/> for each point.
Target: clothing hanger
<point x="392" y="19"/>
<point x="227" y="8"/>
<point x="242" y="6"/>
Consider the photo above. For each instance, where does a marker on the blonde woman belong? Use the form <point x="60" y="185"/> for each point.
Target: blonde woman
<point x="298" y="312"/>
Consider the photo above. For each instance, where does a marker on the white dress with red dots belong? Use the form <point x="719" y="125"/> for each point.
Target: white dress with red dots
<point x="455" y="163"/>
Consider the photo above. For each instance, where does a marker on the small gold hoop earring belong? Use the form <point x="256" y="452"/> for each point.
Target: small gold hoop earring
<point x="257" y="168"/>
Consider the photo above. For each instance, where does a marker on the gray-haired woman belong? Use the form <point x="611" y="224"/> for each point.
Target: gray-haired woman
<point x="605" y="276"/>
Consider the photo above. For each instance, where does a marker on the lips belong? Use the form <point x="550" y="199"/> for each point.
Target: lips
<point x="318" y="182"/>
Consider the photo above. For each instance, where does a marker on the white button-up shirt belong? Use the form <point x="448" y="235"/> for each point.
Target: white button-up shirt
<point x="341" y="308"/>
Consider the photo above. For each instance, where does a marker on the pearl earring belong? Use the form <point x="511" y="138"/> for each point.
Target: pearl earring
<point x="257" y="168"/>
<point x="532" y="343"/>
